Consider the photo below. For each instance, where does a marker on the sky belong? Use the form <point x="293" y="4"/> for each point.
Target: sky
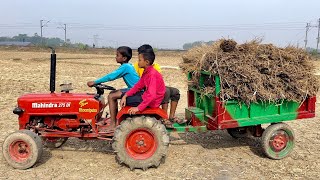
<point x="163" y="23"/>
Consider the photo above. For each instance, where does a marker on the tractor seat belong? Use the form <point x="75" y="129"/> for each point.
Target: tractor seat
<point x="148" y="111"/>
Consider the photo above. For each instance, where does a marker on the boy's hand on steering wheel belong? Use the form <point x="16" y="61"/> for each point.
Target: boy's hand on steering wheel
<point x="133" y="110"/>
<point x="90" y="83"/>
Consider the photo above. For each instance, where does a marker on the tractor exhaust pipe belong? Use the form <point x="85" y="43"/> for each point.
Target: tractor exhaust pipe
<point x="53" y="70"/>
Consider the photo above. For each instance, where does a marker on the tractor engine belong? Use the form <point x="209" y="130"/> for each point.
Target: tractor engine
<point x="67" y="123"/>
<point x="54" y="122"/>
<point x="61" y="111"/>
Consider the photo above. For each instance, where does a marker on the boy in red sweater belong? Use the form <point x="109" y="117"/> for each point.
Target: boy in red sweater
<point x="151" y="82"/>
<point x="172" y="94"/>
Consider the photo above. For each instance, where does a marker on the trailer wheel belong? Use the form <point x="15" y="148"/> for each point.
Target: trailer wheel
<point x="278" y="141"/>
<point x="238" y="132"/>
<point x="141" y="142"/>
<point x="22" y="149"/>
<point x="53" y="142"/>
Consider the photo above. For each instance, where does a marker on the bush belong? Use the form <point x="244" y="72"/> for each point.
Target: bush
<point x="82" y="46"/>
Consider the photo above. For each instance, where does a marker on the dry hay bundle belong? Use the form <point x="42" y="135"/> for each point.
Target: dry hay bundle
<point x="253" y="71"/>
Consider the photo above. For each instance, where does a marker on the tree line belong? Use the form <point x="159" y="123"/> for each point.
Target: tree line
<point x="44" y="41"/>
<point x="187" y="46"/>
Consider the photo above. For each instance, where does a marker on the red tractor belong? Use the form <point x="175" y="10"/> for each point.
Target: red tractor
<point x="139" y="141"/>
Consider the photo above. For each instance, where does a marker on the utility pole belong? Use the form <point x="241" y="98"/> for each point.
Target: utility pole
<point x="306" y="39"/>
<point x="318" y="38"/>
<point x="41" y="29"/>
<point x="95" y="40"/>
<point x="308" y="27"/>
<point x="41" y="26"/>
<point x="65" y="32"/>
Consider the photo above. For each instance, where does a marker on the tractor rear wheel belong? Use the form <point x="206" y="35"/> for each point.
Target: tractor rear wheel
<point x="22" y="149"/>
<point x="141" y="142"/>
<point x="278" y="141"/>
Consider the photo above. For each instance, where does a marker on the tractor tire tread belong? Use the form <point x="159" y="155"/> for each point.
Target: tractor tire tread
<point x="149" y="123"/>
<point x="29" y="137"/>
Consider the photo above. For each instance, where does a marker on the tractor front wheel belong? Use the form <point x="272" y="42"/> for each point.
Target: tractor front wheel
<point x="22" y="149"/>
<point x="141" y="142"/>
<point x="278" y="141"/>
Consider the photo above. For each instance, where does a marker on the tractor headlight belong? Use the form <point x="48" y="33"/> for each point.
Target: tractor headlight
<point x="17" y="111"/>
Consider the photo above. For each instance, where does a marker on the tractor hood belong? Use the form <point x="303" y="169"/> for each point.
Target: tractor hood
<point x="60" y="104"/>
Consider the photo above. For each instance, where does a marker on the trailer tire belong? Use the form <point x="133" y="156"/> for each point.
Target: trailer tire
<point x="140" y="142"/>
<point x="22" y="149"/>
<point x="278" y="141"/>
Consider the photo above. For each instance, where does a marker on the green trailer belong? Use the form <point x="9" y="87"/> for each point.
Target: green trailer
<point x="209" y="112"/>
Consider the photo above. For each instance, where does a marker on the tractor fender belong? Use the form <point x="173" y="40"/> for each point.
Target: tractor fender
<point x="156" y="112"/>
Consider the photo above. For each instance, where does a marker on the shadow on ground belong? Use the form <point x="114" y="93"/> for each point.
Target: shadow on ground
<point x="46" y="155"/>
<point x="218" y="140"/>
<point x="74" y="144"/>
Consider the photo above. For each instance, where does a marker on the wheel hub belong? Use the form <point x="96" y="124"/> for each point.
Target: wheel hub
<point x="279" y="141"/>
<point x="19" y="150"/>
<point x="141" y="144"/>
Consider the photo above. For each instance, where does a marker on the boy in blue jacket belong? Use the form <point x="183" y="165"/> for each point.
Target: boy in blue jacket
<point x="129" y="75"/>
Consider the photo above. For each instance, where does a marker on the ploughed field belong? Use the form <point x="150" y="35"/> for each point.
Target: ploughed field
<point x="190" y="156"/>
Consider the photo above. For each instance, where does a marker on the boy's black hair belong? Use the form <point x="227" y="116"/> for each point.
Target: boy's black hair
<point x="143" y="48"/>
<point x="148" y="55"/>
<point x="125" y="51"/>
<point x="147" y="52"/>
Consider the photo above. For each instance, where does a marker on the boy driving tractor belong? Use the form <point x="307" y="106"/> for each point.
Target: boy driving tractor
<point x="129" y="75"/>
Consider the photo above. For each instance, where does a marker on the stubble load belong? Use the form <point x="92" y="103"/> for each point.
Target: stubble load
<point x="253" y="71"/>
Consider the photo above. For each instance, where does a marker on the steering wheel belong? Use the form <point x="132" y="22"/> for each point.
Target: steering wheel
<point x="101" y="87"/>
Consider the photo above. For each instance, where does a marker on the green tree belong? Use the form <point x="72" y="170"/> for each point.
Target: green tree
<point x="20" y="38"/>
<point x="187" y="46"/>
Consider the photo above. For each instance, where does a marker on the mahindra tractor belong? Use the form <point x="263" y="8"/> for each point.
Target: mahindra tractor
<point x="49" y="119"/>
<point x="141" y="140"/>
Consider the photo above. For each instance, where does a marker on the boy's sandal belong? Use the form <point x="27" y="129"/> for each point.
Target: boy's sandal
<point x="167" y="124"/>
<point x="178" y="120"/>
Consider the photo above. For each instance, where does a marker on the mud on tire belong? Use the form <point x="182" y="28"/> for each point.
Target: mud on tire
<point x="141" y="142"/>
<point x="22" y="149"/>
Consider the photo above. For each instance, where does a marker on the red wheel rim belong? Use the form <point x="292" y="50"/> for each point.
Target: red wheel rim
<point x="279" y="141"/>
<point x="19" y="150"/>
<point x="141" y="144"/>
